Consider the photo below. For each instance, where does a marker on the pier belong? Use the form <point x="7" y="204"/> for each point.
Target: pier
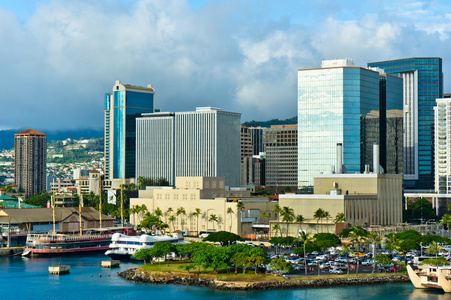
<point x="110" y="263"/>
<point x="59" y="270"/>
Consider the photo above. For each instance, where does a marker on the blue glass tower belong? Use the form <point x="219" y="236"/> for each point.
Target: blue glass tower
<point x="335" y="103"/>
<point x="122" y="107"/>
<point x="422" y="85"/>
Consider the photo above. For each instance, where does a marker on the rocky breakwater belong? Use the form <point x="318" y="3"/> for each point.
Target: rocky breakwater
<point x="138" y="276"/>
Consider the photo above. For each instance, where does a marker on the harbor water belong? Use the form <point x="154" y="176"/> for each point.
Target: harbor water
<point x="28" y="278"/>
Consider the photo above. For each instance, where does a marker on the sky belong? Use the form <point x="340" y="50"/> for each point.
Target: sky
<point x="59" y="57"/>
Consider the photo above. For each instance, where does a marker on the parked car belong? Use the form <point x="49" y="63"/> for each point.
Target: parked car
<point x="335" y="271"/>
<point x="393" y="269"/>
<point x="367" y="262"/>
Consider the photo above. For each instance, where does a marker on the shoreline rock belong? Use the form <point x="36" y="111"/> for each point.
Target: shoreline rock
<point x="137" y="276"/>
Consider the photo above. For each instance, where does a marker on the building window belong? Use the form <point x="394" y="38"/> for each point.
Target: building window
<point x="166" y="196"/>
<point x="193" y="196"/>
<point x="207" y="184"/>
<point x="185" y="196"/>
<point x="176" y="196"/>
<point x="159" y="196"/>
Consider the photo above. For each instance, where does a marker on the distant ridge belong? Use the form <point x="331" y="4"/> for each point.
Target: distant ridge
<point x="268" y="124"/>
<point x="7" y="136"/>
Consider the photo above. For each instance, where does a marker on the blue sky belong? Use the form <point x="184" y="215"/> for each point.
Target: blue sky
<point x="58" y="57"/>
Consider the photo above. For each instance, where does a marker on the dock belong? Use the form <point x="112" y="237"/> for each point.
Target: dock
<point x="59" y="270"/>
<point x="110" y="263"/>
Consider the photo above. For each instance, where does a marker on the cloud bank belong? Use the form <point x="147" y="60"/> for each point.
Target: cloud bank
<point x="241" y="56"/>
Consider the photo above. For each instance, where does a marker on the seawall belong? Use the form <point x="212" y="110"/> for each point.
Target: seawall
<point x="136" y="275"/>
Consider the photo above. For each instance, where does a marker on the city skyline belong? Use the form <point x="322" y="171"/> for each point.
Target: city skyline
<point x="240" y="56"/>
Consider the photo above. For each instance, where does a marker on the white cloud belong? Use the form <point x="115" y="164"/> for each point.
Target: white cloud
<point x="240" y="56"/>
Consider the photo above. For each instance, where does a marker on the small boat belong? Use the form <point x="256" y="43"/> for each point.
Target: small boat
<point x="123" y="246"/>
<point x="428" y="276"/>
<point x="92" y="240"/>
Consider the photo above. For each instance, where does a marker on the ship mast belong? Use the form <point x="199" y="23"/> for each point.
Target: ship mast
<point x="100" y="200"/>
<point x="122" y="205"/>
<point x="79" y="207"/>
<point x="53" y="211"/>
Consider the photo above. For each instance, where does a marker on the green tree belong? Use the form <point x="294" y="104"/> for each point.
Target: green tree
<point x="230" y="212"/>
<point x="197" y="212"/>
<point x="374" y="239"/>
<point x="358" y="236"/>
<point x="280" y="265"/>
<point x="277" y="210"/>
<point x="340" y="218"/>
<point x="287" y="215"/>
<point x="419" y="211"/>
<point x="223" y="237"/>
<point x="171" y="220"/>
<point x="383" y="260"/>
<point x="318" y="215"/>
<point x="446" y="220"/>
<point x="326" y="240"/>
<point x="346" y="250"/>
<point x="180" y="212"/>
<point x="276" y="228"/>
<point x="305" y="238"/>
<point x="433" y="249"/>
<point x="213" y="219"/>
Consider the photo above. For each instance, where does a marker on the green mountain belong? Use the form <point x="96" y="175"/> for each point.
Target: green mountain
<point x="268" y="124"/>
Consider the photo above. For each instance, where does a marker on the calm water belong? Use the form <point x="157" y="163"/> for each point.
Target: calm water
<point x="28" y="278"/>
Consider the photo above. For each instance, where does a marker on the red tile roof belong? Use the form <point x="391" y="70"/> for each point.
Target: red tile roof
<point x="31" y="132"/>
<point x="94" y="171"/>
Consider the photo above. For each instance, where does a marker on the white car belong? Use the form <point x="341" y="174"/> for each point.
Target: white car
<point x="335" y="271"/>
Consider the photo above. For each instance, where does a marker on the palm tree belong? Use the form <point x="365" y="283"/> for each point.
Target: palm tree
<point x="213" y="218"/>
<point x="240" y="205"/>
<point x="172" y="219"/>
<point x="180" y="211"/>
<point x="434" y="248"/>
<point x="340" y="218"/>
<point x="287" y="215"/>
<point x="197" y="212"/>
<point x="169" y="212"/>
<point x="230" y="212"/>
<point x="300" y="219"/>
<point x="305" y="238"/>
<point x="374" y="239"/>
<point x="357" y="236"/>
<point x="277" y="210"/>
<point x="135" y="209"/>
<point x="346" y="250"/>
<point x="276" y="228"/>
<point x="318" y="215"/>
<point x="446" y="220"/>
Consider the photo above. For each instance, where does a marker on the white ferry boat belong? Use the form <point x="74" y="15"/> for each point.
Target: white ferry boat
<point x="428" y="276"/>
<point x="123" y="246"/>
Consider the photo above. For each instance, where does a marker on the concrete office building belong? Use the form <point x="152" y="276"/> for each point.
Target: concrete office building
<point x="422" y="84"/>
<point x="280" y="143"/>
<point x="211" y="196"/>
<point x="442" y="114"/>
<point x="205" y="142"/>
<point x="122" y="107"/>
<point x="30" y="161"/>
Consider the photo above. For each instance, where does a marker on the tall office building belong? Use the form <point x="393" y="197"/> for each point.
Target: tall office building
<point x="280" y="143"/>
<point x="333" y="103"/>
<point x="442" y="114"/>
<point x="30" y="161"/>
<point x="423" y="84"/>
<point x="122" y="107"/>
<point x="205" y="142"/>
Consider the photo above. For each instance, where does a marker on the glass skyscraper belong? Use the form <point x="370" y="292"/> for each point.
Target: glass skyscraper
<point x="122" y="107"/>
<point x="334" y="103"/>
<point x="422" y="85"/>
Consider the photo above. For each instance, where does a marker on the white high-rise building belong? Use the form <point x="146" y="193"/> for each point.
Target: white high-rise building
<point x="205" y="142"/>
<point x="442" y="122"/>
